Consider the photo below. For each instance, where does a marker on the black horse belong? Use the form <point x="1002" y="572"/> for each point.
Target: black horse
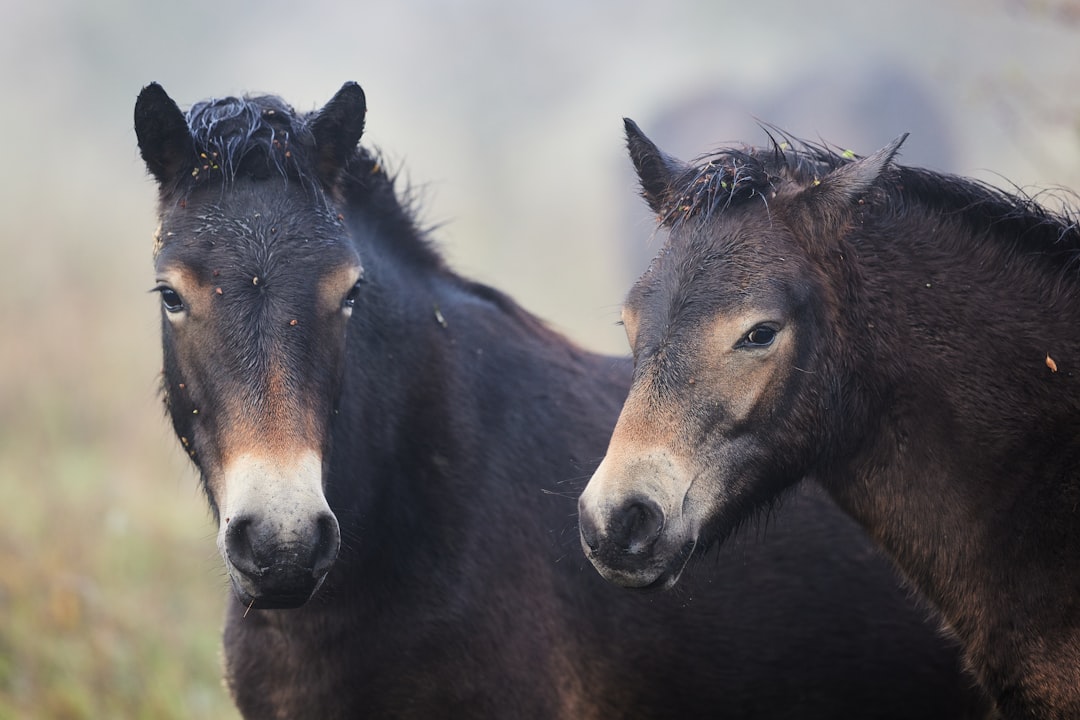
<point x="907" y="338"/>
<point x="392" y="453"/>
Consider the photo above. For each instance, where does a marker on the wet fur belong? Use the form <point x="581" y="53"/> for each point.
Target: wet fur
<point x="929" y="409"/>
<point x="462" y="434"/>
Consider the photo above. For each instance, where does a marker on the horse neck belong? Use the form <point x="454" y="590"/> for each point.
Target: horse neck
<point x="394" y="353"/>
<point x="968" y="478"/>
<point x="960" y="327"/>
<point x="448" y="385"/>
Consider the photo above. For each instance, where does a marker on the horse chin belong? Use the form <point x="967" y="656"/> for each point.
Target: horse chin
<point x="279" y="591"/>
<point x="674" y="571"/>
<point x="656" y="576"/>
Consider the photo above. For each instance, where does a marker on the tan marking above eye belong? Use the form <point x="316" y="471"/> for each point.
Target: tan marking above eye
<point x="733" y="332"/>
<point x="335" y="286"/>
<point x="195" y="295"/>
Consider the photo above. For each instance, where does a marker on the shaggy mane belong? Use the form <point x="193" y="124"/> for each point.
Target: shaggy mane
<point x="734" y="176"/>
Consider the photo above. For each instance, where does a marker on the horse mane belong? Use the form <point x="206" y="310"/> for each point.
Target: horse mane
<point x="1015" y="216"/>
<point x="729" y="177"/>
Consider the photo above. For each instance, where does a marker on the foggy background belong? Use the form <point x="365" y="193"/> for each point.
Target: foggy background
<point x="507" y="118"/>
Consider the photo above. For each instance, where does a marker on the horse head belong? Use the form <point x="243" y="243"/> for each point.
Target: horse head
<point x="731" y="330"/>
<point x="257" y="277"/>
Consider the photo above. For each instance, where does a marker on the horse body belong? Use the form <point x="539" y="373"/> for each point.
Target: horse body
<point x="970" y="477"/>
<point x="905" y="338"/>
<point x="453" y="430"/>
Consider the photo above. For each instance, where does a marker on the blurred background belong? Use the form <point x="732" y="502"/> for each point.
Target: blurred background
<point x="507" y="119"/>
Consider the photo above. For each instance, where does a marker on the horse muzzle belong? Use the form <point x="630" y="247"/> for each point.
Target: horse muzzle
<point x="277" y="534"/>
<point x="631" y="522"/>
<point x="270" y="573"/>
<point x="627" y="545"/>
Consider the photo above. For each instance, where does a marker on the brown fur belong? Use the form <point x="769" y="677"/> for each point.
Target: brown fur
<point x="913" y="314"/>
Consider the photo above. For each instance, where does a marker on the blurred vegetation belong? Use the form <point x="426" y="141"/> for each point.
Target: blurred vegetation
<point x="109" y="606"/>
<point x="111" y="589"/>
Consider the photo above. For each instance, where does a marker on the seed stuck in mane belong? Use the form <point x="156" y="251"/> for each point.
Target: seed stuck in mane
<point x="211" y="161"/>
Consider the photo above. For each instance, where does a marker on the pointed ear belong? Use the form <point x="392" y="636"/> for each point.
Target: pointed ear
<point x="845" y="184"/>
<point x="337" y="129"/>
<point x="162" y="130"/>
<point x="656" y="170"/>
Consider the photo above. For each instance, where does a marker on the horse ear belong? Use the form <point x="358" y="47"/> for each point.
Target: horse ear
<point x="164" y="139"/>
<point x="845" y="184"/>
<point x="656" y="169"/>
<point x="337" y="129"/>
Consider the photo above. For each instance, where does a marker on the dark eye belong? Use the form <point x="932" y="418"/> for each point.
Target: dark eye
<point x="350" y="298"/>
<point x="170" y="299"/>
<point x="760" y="336"/>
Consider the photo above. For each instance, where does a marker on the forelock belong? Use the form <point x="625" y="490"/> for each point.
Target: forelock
<point x="254" y="135"/>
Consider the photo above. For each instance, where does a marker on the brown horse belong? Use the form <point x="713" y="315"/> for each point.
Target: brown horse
<point x="392" y="453"/>
<point x="908" y="339"/>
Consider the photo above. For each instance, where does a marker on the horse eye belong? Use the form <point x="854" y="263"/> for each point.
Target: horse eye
<point x="170" y="299"/>
<point x="761" y="336"/>
<point x="350" y="298"/>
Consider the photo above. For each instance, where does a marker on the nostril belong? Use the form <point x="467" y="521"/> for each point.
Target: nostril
<point x="239" y="546"/>
<point x="587" y="528"/>
<point x="327" y="543"/>
<point x="636" y="526"/>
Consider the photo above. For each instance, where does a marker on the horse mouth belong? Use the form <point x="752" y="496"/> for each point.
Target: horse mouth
<point x="652" y="578"/>
<point x="277" y="602"/>
<point x="281" y="587"/>
<point x="280" y="601"/>
<point x="670" y="575"/>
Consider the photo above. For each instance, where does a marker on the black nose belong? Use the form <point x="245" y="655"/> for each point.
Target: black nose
<point x="635" y="525"/>
<point x="284" y="571"/>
